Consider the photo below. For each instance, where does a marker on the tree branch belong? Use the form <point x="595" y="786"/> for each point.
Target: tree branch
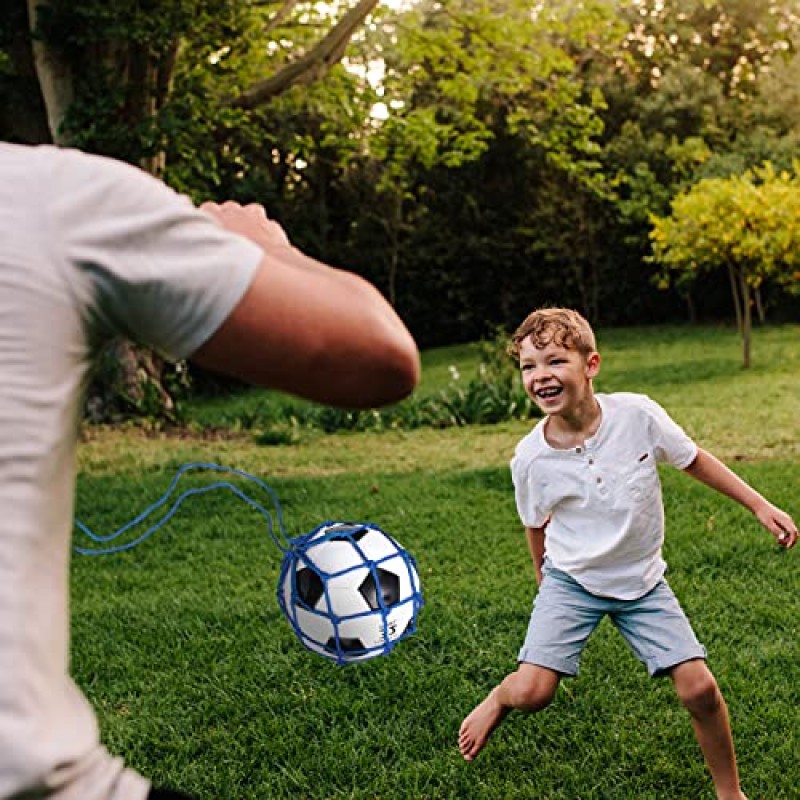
<point x="281" y="14"/>
<point x="312" y="65"/>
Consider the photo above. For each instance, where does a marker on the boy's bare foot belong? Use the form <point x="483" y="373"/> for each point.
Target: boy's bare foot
<point x="478" y="726"/>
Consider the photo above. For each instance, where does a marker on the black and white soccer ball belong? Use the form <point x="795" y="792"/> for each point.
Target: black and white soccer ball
<point x="349" y="591"/>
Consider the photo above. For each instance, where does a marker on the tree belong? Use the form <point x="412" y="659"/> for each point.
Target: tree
<point x="467" y="76"/>
<point x="471" y="157"/>
<point x="748" y="225"/>
<point x="100" y="75"/>
<point x="132" y="50"/>
<point x="701" y="89"/>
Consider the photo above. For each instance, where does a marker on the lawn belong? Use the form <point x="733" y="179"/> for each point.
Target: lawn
<point x="199" y="682"/>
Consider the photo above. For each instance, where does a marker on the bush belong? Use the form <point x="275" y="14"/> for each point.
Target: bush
<point x="494" y="395"/>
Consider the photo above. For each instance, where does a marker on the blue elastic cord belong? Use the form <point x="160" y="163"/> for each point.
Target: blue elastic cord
<point x="279" y="537"/>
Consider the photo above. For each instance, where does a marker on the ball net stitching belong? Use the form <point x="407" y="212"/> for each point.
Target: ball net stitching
<point x="295" y="550"/>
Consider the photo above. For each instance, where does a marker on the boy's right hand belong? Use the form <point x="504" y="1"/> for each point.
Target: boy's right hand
<point x="778" y="523"/>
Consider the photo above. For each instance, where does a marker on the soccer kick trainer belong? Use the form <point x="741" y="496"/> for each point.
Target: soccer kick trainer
<point x="349" y="591"/>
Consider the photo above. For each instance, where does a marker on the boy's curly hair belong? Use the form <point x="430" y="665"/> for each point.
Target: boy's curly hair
<point x="564" y="326"/>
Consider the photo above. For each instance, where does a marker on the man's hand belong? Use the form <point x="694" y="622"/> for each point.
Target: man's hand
<point x="250" y="221"/>
<point x="308" y="328"/>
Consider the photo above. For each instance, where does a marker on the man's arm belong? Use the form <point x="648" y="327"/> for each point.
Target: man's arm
<point x="309" y="329"/>
<point x="535" y="537"/>
<point x="711" y="471"/>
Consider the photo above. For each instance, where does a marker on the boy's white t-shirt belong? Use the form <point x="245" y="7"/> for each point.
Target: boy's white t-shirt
<point x="89" y="248"/>
<point x="604" y="499"/>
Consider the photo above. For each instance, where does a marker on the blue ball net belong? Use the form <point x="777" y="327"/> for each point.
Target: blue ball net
<point x="354" y="602"/>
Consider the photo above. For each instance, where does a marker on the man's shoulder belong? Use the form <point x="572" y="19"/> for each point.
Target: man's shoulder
<point x="48" y="156"/>
<point x="92" y="173"/>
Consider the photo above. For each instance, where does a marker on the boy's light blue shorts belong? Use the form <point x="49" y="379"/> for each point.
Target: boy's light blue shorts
<point x="565" y="615"/>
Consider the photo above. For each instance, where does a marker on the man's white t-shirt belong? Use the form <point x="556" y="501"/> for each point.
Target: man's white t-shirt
<point x="89" y="249"/>
<point x="604" y="498"/>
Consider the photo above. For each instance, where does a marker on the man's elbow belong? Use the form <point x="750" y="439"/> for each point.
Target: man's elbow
<point x="394" y="377"/>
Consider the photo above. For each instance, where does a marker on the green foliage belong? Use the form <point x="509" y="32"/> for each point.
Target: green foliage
<point x="487" y="398"/>
<point x="115" y="53"/>
<point x="751" y="221"/>
<point x="152" y="391"/>
<point x="695" y="96"/>
<point x="473" y="159"/>
<point x="748" y="225"/>
<point x="477" y="64"/>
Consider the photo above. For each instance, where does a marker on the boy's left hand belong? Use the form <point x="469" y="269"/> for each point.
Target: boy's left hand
<point x="779" y="524"/>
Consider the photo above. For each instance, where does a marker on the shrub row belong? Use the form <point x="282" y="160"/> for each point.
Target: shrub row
<point x="493" y="395"/>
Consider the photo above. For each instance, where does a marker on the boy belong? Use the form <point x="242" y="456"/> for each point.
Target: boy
<point x="587" y="475"/>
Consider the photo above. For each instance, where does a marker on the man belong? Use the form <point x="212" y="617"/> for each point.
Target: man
<point x="91" y="249"/>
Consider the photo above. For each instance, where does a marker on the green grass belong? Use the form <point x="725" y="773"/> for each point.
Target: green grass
<point x="694" y="371"/>
<point x="199" y="683"/>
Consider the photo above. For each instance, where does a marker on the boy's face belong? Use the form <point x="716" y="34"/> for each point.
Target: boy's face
<point x="557" y="378"/>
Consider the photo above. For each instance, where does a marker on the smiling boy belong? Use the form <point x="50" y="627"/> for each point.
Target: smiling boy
<point x="588" y="493"/>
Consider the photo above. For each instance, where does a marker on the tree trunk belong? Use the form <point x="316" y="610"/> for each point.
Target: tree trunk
<point x="323" y="217"/>
<point x="54" y="74"/>
<point x="690" y="307"/>
<point x="586" y="266"/>
<point x="395" y="227"/>
<point x="595" y="287"/>
<point x="737" y="306"/>
<point x="139" y="377"/>
<point x="762" y="316"/>
<point x="138" y="385"/>
<point x="747" y="320"/>
<point x="281" y="15"/>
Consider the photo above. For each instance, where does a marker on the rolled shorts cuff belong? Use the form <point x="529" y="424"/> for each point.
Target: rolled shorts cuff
<point x="658" y="668"/>
<point x="542" y="658"/>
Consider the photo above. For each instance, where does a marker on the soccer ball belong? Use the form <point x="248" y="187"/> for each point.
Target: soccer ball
<point x="349" y="591"/>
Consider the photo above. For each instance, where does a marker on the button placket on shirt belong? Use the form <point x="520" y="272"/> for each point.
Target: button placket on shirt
<point x="591" y="465"/>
